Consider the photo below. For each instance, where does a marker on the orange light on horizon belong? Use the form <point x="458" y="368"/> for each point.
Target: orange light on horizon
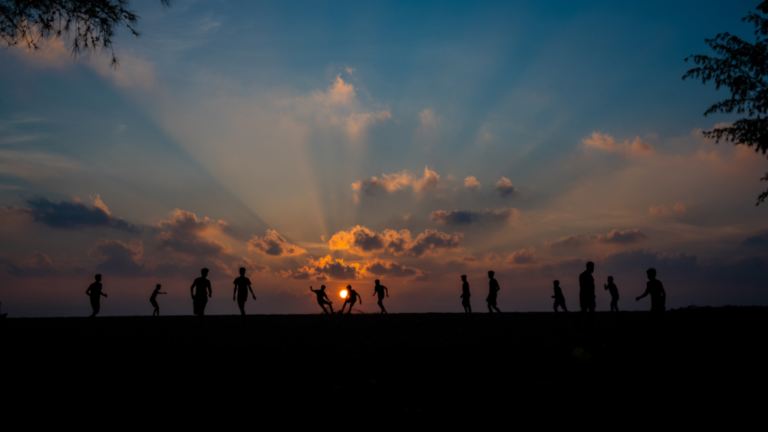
<point x="343" y="294"/>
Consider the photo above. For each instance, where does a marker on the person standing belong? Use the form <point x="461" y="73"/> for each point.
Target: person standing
<point x="587" y="289"/>
<point x="465" y="294"/>
<point x="611" y="287"/>
<point x="201" y="294"/>
<point x="242" y="286"/>
<point x="352" y="297"/>
<point x="380" y="290"/>
<point x="493" y="289"/>
<point x="559" y="298"/>
<point x="322" y="298"/>
<point x="94" y="292"/>
<point x="153" y="300"/>
<point x="655" y="289"/>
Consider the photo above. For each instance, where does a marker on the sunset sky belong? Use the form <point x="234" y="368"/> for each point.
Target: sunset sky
<point x="340" y="142"/>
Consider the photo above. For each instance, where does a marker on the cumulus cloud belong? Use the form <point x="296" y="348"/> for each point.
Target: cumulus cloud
<point x="274" y="245"/>
<point x="471" y="183"/>
<point x="607" y="143"/>
<point x="456" y="217"/>
<point x="677" y="209"/>
<point x="186" y="234"/>
<point x="394" y="182"/>
<point x="327" y="268"/>
<point x="567" y="242"/>
<point x="428" y="119"/>
<point x="74" y="215"/>
<point x="620" y="237"/>
<point x="382" y="268"/>
<point x="120" y="259"/>
<point x="523" y="256"/>
<point x="505" y="188"/>
<point x="363" y="241"/>
<point x="37" y="265"/>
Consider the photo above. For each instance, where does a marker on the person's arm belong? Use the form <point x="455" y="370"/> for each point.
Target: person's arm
<point x="644" y="294"/>
<point x="663" y="293"/>
<point x="161" y="292"/>
<point x="251" y="289"/>
<point x="360" y="297"/>
<point x="374" y="292"/>
<point x="192" y="290"/>
<point x="387" y="291"/>
<point x="88" y="291"/>
<point x="310" y="288"/>
<point x="210" y="290"/>
<point x="605" y="286"/>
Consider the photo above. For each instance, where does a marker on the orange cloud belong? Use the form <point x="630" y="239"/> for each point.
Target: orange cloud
<point x="382" y="268"/>
<point x="607" y="143"/>
<point x="678" y="209"/>
<point x="620" y="237"/>
<point x="471" y="183"/>
<point x="397" y="181"/>
<point x="186" y="234"/>
<point x="274" y="245"/>
<point x="505" y="188"/>
<point x="327" y="268"/>
<point x="523" y="256"/>
<point x="363" y="241"/>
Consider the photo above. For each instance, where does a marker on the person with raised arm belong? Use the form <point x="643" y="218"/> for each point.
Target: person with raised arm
<point x="493" y="289"/>
<point x="153" y="300"/>
<point x="242" y="286"/>
<point x="201" y="294"/>
<point x="94" y="292"/>
<point x="352" y="297"/>
<point x="614" y="290"/>
<point x="380" y="290"/>
<point x="465" y="294"/>
<point x="322" y="298"/>
<point x="655" y="289"/>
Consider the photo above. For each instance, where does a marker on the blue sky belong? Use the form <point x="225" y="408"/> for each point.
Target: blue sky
<point x="349" y="120"/>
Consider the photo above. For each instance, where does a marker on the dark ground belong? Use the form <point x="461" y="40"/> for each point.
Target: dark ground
<point x="453" y="363"/>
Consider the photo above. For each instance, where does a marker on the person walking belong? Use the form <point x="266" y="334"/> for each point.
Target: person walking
<point x="465" y="294"/>
<point x="94" y="292"/>
<point x="242" y="286"/>
<point x="200" y="290"/>
<point x="493" y="289"/>
<point x="380" y="290"/>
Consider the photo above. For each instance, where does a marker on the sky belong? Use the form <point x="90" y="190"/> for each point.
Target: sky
<point x="335" y="143"/>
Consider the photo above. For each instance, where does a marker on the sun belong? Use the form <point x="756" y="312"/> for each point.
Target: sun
<point x="343" y="293"/>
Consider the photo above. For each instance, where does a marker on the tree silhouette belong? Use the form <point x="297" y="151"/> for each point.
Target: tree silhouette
<point x="89" y="24"/>
<point x="742" y="67"/>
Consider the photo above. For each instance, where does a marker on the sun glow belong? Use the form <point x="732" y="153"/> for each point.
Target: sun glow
<point x="343" y="293"/>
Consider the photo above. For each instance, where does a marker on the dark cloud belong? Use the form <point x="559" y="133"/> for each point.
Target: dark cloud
<point x="523" y="256"/>
<point x="466" y="217"/>
<point x="120" y="259"/>
<point x="361" y="240"/>
<point x="504" y="187"/>
<point x="74" y="215"/>
<point x="327" y="268"/>
<point x="758" y="240"/>
<point x="620" y="237"/>
<point x="37" y="265"/>
<point x="567" y="242"/>
<point x="185" y="233"/>
<point x="274" y="245"/>
<point x="381" y="268"/>
<point x="432" y="240"/>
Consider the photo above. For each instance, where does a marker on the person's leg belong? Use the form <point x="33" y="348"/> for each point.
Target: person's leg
<point x="489" y="308"/>
<point x="241" y="305"/>
<point x="555" y="307"/>
<point x="470" y="308"/>
<point x="497" y="309"/>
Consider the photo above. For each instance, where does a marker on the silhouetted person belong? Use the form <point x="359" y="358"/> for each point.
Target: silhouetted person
<point x="380" y="290"/>
<point x="655" y="289"/>
<point x="611" y="287"/>
<point x="587" y="289"/>
<point x="559" y="298"/>
<point x="322" y="298"/>
<point x="493" y="289"/>
<point x="153" y="300"/>
<point x="242" y="286"/>
<point x="94" y="292"/>
<point x="465" y="294"/>
<point x="201" y="294"/>
<point x="352" y="297"/>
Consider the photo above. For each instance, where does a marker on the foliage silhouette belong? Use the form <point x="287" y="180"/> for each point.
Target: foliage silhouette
<point x="742" y="67"/>
<point x="90" y="24"/>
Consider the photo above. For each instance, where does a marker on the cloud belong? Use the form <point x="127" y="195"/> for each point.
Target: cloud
<point x="607" y="143"/>
<point x="523" y="256"/>
<point x="620" y="237"/>
<point x="186" y="234"/>
<point x="381" y="268"/>
<point x="37" y="265"/>
<point x="338" y="106"/>
<point x="471" y="183"/>
<point x="250" y="267"/>
<point x="505" y="188"/>
<point x="75" y="215"/>
<point x="428" y="119"/>
<point x="397" y="181"/>
<point x="567" y="242"/>
<point x="456" y="217"/>
<point x="758" y="240"/>
<point x="327" y="268"/>
<point x="363" y="241"/>
<point x="120" y="259"/>
<point x="274" y="245"/>
<point x="677" y="209"/>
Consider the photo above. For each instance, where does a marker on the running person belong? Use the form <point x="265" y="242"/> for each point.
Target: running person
<point x="611" y="287"/>
<point x="465" y="294"/>
<point x="322" y="298"/>
<point x="352" y="297"/>
<point x="242" y="286"/>
<point x="153" y="300"/>
<point x="94" y="292"/>
<point x="380" y="290"/>
<point x="655" y="289"/>
<point x="493" y="289"/>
